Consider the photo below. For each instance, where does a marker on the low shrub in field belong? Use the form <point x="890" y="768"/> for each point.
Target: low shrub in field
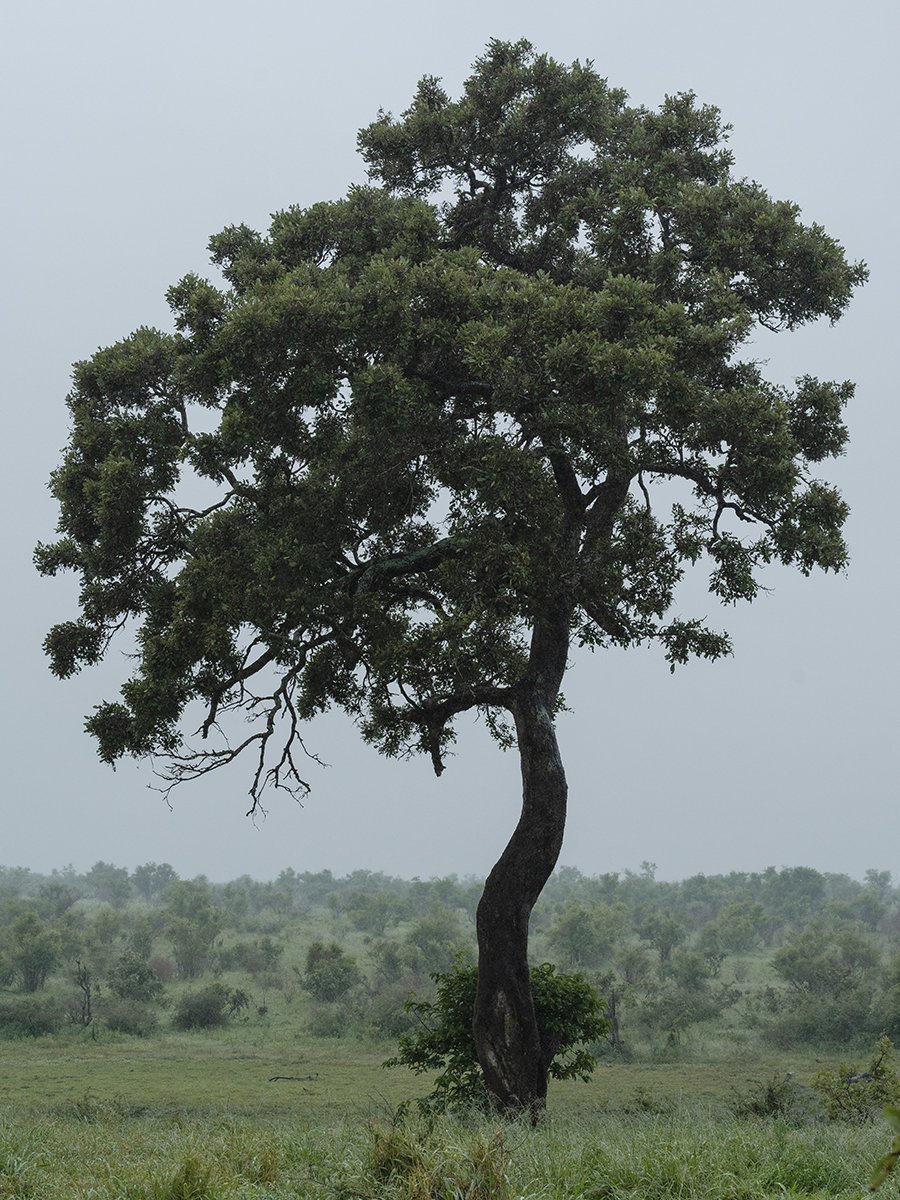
<point x="256" y="957"/>
<point x="207" y="1008"/>
<point x="386" y="1014"/>
<point x="29" y="1017"/>
<point x="131" y="978"/>
<point x="194" y="1180"/>
<point x="330" y="972"/>
<point x="329" y="1020"/>
<point x="413" y="1160"/>
<point x="130" y="1016"/>
<point x="859" y="1093"/>
<point x="780" y="1096"/>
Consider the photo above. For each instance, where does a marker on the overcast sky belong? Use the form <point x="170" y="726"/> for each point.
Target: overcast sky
<point x="131" y="133"/>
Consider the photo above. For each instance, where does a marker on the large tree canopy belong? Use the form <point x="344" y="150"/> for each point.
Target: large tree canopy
<point x="420" y="441"/>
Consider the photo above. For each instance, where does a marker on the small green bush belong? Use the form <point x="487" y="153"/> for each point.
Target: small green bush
<point x="386" y="1013"/>
<point x="29" y="1017"/>
<point x="130" y="1016"/>
<point x="131" y="978"/>
<point x="329" y="1020"/>
<point x="207" y="1008"/>
<point x="859" y="1093"/>
<point x="330" y="972"/>
<point x="780" y="1096"/>
<point x="569" y="1013"/>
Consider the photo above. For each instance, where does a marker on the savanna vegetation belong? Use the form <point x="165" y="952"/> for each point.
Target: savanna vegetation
<point x="162" y="1037"/>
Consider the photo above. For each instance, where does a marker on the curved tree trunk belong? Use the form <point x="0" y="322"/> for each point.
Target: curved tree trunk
<point x="507" y="1039"/>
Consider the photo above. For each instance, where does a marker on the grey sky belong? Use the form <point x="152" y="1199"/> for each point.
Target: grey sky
<point x="133" y="132"/>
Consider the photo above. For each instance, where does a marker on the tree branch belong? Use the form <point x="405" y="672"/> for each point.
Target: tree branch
<point x="367" y="577"/>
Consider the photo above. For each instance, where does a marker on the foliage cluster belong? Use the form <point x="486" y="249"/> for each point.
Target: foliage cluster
<point x="209" y="1007"/>
<point x="569" y="1017"/>
<point x="859" y="1092"/>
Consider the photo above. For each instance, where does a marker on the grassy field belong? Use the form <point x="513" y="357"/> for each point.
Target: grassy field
<point x="232" y="1070"/>
<point x="197" y="1117"/>
<point x="104" y="1151"/>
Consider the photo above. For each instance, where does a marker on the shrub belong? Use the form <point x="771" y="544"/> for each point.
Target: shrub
<point x="163" y="968"/>
<point x="256" y="958"/>
<point x="569" y="1015"/>
<point x="329" y="1020"/>
<point x="130" y="978"/>
<point x="859" y="1093"/>
<point x="29" y="1017"/>
<point x="124" y="1015"/>
<point x="207" y="1008"/>
<point x="386" y="1013"/>
<point x="779" y="1096"/>
<point x="330" y="972"/>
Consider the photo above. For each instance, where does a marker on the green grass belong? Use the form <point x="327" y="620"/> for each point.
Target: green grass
<point x="194" y="1117"/>
<point x="230" y="1071"/>
<point x="104" y="1152"/>
<point x="198" y="1072"/>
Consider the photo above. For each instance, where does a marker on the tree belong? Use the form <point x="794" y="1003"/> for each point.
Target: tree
<point x="151" y="880"/>
<point x="436" y="939"/>
<point x="427" y="438"/>
<point x="794" y="893"/>
<point x="739" y="924"/>
<point x="330" y="972"/>
<point x="131" y="978"/>
<point x="109" y="883"/>
<point x="584" y="935"/>
<point x="192" y="926"/>
<point x="832" y="971"/>
<point x="34" y="949"/>
<point x="663" y="931"/>
<point x="828" y="960"/>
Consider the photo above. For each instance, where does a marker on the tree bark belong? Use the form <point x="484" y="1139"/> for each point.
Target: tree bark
<point x="507" y="1039"/>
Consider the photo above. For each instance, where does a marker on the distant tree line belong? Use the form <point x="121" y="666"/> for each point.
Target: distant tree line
<point x="788" y="957"/>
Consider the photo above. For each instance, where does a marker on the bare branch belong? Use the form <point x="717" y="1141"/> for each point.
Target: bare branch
<point x="192" y="514"/>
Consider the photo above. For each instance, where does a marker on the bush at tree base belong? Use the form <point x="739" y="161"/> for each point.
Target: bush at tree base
<point x="570" y="1015"/>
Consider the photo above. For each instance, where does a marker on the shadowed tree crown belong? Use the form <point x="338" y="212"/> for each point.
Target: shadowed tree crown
<point x="419" y="441"/>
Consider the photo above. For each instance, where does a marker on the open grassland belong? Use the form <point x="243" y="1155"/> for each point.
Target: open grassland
<point x="196" y="1117"/>
<point x="232" y="1071"/>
